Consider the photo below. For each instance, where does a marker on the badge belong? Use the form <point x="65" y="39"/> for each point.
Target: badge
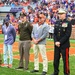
<point x="64" y="29"/>
<point x="36" y="36"/>
<point x="64" y="24"/>
<point x="26" y="25"/>
<point x="5" y="37"/>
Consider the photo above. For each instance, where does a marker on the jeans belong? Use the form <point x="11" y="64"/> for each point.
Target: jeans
<point x="7" y="51"/>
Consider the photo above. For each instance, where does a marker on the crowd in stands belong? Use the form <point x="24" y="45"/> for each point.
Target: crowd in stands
<point x="49" y="8"/>
<point x="13" y="3"/>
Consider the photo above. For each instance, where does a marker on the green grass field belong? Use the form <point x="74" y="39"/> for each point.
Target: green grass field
<point x="13" y="71"/>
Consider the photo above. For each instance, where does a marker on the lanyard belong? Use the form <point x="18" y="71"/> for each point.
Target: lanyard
<point x="6" y="29"/>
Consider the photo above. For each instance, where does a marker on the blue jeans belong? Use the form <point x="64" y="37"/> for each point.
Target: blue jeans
<point x="7" y="51"/>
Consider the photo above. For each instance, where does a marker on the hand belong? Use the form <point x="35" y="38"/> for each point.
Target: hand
<point x="57" y="44"/>
<point x="35" y="41"/>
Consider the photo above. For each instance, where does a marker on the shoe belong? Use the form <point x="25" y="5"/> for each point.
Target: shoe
<point x="19" y="68"/>
<point x="25" y="69"/>
<point x="4" y="65"/>
<point x="10" y="66"/>
<point x="34" y="71"/>
<point x="44" y="73"/>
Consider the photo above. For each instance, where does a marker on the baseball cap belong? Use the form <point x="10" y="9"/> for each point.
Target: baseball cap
<point x="6" y="20"/>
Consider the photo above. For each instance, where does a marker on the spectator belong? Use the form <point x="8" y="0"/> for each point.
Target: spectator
<point x="51" y="31"/>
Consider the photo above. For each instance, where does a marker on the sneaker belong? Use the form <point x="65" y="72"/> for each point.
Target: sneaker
<point x="44" y="73"/>
<point x="19" y="68"/>
<point x="4" y="65"/>
<point x="10" y="66"/>
<point x="34" y="71"/>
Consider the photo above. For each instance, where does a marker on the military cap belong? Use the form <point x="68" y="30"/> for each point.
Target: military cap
<point x="61" y="11"/>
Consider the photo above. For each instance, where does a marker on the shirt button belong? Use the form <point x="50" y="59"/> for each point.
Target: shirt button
<point x="59" y="33"/>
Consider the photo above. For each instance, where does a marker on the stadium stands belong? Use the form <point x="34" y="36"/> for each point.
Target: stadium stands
<point x="32" y="9"/>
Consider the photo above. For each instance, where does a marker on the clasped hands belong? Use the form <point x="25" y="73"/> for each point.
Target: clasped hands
<point x="57" y="44"/>
<point x="35" y="41"/>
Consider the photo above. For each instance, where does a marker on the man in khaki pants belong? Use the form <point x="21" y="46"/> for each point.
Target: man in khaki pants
<point x="25" y="30"/>
<point x="39" y="34"/>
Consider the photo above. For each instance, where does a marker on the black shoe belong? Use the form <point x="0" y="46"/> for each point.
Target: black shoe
<point x="18" y="68"/>
<point x="44" y="73"/>
<point x="25" y="69"/>
<point x="34" y="71"/>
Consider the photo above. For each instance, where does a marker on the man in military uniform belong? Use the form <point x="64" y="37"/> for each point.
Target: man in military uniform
<point x="25" y="30"/>
<point x="62" y="32"/>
